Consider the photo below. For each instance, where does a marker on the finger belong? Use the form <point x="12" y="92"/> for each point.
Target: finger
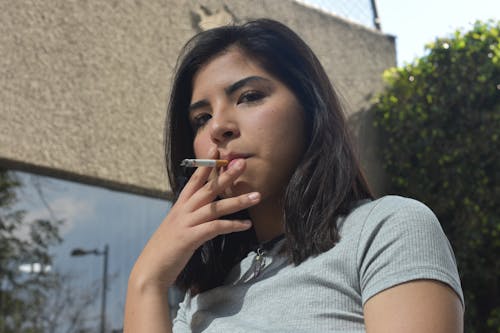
<point x="199" y="177"/>
<point x="214" y="210"/>
<point x="212" y="229"/>
<point x="216" y="186"/>
<point x="197" y="180"/>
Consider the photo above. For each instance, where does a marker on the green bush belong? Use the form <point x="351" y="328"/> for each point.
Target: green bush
<point x="440" y="123"/>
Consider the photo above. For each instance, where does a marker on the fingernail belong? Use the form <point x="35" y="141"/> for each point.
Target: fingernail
<point x="254" y="196"/>
<point x="237" y="165"/>
<point x="246" y="222"/>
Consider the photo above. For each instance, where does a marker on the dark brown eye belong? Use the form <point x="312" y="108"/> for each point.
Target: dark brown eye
<point x="250" y="97"/>
<point x="200" y="120"/>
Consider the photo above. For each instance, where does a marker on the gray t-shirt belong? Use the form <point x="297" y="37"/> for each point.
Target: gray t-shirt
<point x="383" y="243"/>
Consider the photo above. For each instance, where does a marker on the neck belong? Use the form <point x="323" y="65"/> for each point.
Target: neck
<point x="267" y="220"/>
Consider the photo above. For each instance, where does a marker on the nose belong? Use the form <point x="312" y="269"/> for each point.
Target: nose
<point x="223" y="126"/>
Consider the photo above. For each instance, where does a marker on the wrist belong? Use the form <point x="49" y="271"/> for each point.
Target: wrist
<point x="143" y="283"/>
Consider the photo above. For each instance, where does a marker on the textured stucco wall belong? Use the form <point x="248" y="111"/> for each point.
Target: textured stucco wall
<point x="84" y="84"/>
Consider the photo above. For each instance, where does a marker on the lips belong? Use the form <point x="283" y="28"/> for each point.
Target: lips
<point x="232" y="157"/>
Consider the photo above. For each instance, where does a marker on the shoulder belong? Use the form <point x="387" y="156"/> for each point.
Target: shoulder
<point x="398" y="240"/>
<point x="391" y="204"/>
<point x="389" y="221"/>
<point x="389" y="212"/>
<point x="398" y="222"/>
<point x="394" y="211"/>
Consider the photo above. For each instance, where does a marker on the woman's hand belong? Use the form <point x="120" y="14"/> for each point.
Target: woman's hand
<point x="194" y="219"/>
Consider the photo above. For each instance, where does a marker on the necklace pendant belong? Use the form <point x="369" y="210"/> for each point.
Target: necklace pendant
<point x="259" y="262"/>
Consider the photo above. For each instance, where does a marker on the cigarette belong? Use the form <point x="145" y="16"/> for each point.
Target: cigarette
<point x="194" y="163"/>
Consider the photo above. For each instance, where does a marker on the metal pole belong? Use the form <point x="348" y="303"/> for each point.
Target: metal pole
<point x="104" y="288"/>
<point x="376" y="19"/>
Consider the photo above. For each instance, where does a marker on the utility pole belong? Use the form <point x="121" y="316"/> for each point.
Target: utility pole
<point x="376" y="18"/>
<point x="104" y="253"/>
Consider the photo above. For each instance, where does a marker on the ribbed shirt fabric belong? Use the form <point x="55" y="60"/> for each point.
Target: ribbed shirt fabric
<point x="383" y="243"/>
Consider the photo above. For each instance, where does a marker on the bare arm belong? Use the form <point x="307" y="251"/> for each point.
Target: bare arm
<point x="414" y="307"/>
<point x="146" y="310"/>
<point x="194" y="219"/>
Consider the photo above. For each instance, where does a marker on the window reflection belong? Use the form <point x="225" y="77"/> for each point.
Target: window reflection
<point x="92" y="218"/>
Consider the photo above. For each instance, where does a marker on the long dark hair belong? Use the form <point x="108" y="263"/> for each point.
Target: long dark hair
<point x="328" y="181"/>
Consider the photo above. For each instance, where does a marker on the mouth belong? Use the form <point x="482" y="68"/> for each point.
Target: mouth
<point x="232" y="158"/>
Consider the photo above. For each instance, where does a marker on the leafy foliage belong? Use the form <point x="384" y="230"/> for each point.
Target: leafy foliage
<point x="44" y="300"/>
<point x="440" y="123"/>
<point x="23" y="295"/>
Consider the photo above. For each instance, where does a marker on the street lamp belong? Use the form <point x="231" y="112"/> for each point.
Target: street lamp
<point x="80" y="252"/>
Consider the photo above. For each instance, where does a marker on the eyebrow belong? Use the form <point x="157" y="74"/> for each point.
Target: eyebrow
<point x="241" y="83"/>
<point x="230" y="90"/>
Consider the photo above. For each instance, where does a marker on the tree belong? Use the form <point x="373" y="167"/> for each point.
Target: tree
<point x="21" y="242"/>
<point x="66" y="307"/>
<point x="440" y="127"/>
<point x="42" y="300"/>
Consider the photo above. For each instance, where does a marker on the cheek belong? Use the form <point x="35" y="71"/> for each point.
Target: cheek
<point x="201" y="145"/>
<point x="287" y="130"/>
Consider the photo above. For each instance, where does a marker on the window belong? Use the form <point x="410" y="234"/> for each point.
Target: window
<point x="92" y="218"/>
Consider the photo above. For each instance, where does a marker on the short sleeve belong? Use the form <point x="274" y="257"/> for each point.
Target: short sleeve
<point x="401" y="241"/>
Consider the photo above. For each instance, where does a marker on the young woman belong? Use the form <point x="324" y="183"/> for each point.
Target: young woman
<point x="286" y="237"/>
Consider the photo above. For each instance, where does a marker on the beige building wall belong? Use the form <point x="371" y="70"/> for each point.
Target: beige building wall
<point x="84" y="83"/>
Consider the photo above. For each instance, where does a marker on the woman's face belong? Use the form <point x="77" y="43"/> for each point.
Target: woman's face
<point x="244" y="112"/>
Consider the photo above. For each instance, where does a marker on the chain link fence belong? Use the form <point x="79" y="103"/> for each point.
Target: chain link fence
<point x="360" y="11"/>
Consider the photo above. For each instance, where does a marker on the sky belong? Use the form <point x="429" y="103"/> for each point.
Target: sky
<point x="416" y="23"/>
